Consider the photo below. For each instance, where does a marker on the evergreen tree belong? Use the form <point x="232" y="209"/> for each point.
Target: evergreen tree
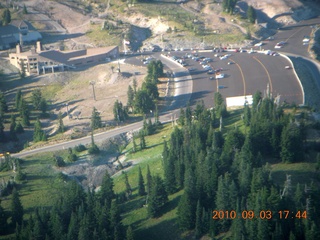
<point x="18" y="99"/>
<point x="24" y="11"/>
<point x="93" y="149"/>
<point x="84" y="233"/>
<point x="251" y="14"/>
<point x="38" y="134"/>
<point x="95" y="119"/>
<point x="157" y="198"/>
<point x="142" y="141"/>
<point x="115" y="222"/>
<point x="16" y="208"/>
<point x="24" y="113"/>
<point x="61" y="127"/>
<point x="143" y="103"/>
<point x="247" y="115"/>
<point x="134" y="144"/>
<point x="130" y="96"/>
<point x="2" y="134"/>
<point x="106" y="191"/>
<point x="291" y="144"/>
<point x="149" y="181"/>
<point x="141" y="188"/>
<point x="3" y="221"/>
<point x="19" y="128"/>
<point x="73" y="227"/>
<point x="130" y="233"/>
<point x="185" y="212"/>
<point x="36" y="98"/>
<point x="43" y="107"/>
<point x="6" y="17"/>
<point x="199" y="224"/>
<point x="3" y="104"/>
<point x="128" y="187"/>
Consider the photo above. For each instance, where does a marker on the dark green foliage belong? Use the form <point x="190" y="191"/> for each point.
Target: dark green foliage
<point x="130" y="95"/>
<point x="128" y="187"/>
<point x="251" y="14"/>
<point x="130" y="234"/>
<point x="142" y="141"/>
<point x="61" y="127"/>
<point x="151" y="89"/>
<point x="229" y="5"/>
<point x="3" y="220"/>
<point x="6" y="17"/>
<point x="2" y="134"/>
<point x="247" y="115"/>
<point x="58" y="161"/>
<point x="38" y="134"/>
<point x="18" y="99"/>
<point x="19" y="128"/>
<point x="80" y="148"/>
<point x="16" y="208"/>
<point x="95" y="119"/>
<point x="143" y="103"/>
<point x="3" y="105"/>
<point x="24" y="112"/>
<point x="157" y="197"/>
<point x="219" y="106"/>
<point x="106" y="192"/>
<point x="93" y="149"/>
<point x="149" y="181"/>
<point x="119" y="112"/>
<point x="36" y="99"/>
<point x="291" y="144"/>
<point x="185" y="212"/>
<point x="141" y="188"/>
<point x="71" y="156"/>
<point x="24" y="11"/>
<point x="20" y="175"/>
<point x="116" y="226"/>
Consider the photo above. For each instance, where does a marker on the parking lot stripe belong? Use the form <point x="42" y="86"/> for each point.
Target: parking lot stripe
<point x="243" y="79"/>
<point x="269" y="78"/>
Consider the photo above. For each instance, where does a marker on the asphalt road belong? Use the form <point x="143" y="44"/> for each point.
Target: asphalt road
<point x="182" y="96"/>
<point x="248" y="74"/>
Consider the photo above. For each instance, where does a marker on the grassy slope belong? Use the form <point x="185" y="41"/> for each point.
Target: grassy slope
<point x="42" y="186"/>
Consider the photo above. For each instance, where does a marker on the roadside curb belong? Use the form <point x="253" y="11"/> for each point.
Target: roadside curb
<point x="295" y="73"/>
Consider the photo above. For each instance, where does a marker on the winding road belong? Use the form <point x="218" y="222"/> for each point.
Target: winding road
<point x="247" y="76"/>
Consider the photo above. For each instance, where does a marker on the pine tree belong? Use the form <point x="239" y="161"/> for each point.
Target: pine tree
<point x="199" y="224"/>
<point x="38" y="134"/>
<point x="128" y="187"/>
<point x="115" y="222"/>
<point x="149" y="180"/>
<point x="24" y="11"/>
<point x="36" y="98"/>
<point x="3" y="221"/>
<point x="134" y="144"/>
<point x="106" y="192"/>
<point x="186" y="212"/>
<point x="157" y="198"/>
<point x="130" y="96"/>
<point x="142" y="141"/>
<point x="251" y="14"/>
<point x="141" y="188"/>
<point x="16" y="208"/>
<point x="24" y="113"/>
<point x="130" y="233"/>
<point x="3" y="104"/>
<point x="2" y="134"/>
<point x="73" y="227"/>
<point x="93" y="149"/>
<point x="84" y="233"/>
<point x="95" y="119"/>
<point x="18" y="99"/>
<point x="61" y="127"/>
<point x="6" y="17"/>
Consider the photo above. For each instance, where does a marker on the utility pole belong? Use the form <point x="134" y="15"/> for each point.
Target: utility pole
<point x="92" y="83"/>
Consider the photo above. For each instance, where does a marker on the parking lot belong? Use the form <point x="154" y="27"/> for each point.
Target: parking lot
<point x="238" y="74"/>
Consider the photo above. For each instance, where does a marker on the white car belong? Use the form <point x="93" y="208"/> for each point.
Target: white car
<point x="277" y="46"/>
<point x="258" y="44"/>
<point x="223" y="57"/>
<point x="219" y="76"/>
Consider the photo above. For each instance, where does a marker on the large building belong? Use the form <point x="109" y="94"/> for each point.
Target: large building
<point x="17" y="32"/>
<point x="38" y="61"/>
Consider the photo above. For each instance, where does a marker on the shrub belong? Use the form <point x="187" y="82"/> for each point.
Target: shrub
<point x="80" y="148"/>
